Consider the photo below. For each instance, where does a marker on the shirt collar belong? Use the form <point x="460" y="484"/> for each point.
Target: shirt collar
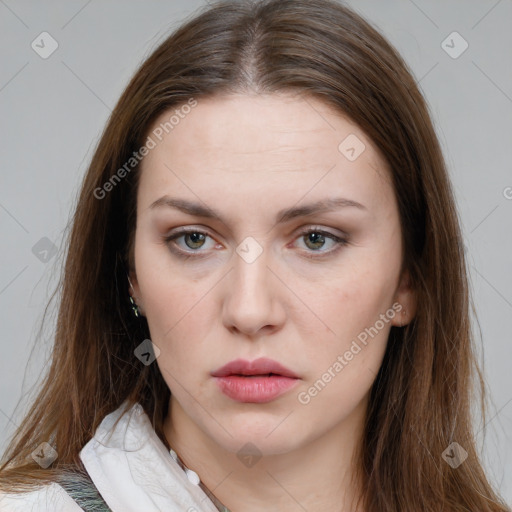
<point x="133" y="470"/>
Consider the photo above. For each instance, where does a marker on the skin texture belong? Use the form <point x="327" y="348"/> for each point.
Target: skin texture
<point x="300" y="302"/>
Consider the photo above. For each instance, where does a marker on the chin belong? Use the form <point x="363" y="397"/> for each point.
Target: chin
<point x="267" y="432"/>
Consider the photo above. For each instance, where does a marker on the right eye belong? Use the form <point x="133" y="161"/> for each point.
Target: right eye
<point x="193" y="238"/>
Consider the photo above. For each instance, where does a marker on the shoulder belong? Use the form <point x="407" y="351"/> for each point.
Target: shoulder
<point x="47" y="498"/>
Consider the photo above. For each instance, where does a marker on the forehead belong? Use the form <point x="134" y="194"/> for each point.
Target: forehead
<point x="253" y="144"/>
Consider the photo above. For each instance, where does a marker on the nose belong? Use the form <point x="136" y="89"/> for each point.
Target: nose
<point x="253" y="303"/>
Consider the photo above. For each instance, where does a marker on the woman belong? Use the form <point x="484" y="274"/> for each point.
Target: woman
<point x="265" y="299"/>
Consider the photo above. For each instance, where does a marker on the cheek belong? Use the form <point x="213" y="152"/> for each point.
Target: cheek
<point x="176" y="307"/>
<point x="343" y="365"/>
<point x="355" y="300"/>
<point x="179" y="325"/>
<point x="353" y="311"/>
<point x="168" y="295"/>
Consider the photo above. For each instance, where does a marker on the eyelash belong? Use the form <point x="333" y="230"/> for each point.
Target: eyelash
<point x="340" y="242"/>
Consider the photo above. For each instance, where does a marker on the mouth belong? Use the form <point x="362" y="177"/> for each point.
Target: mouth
<point x="255" y="375"/>
<point x="259" y="381"/>
<point x="262" y="367"/>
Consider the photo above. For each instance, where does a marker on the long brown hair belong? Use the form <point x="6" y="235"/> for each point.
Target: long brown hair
<point x="421" y="399"/>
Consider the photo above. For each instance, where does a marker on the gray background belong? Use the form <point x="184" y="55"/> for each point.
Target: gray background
<point x="53" y="111"/>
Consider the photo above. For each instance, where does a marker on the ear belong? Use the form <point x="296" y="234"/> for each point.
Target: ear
<point x="405" y="295"/>
<point x="134" y="291"/>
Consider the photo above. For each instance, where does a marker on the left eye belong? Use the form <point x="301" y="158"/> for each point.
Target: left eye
<point x="318" y="236"/>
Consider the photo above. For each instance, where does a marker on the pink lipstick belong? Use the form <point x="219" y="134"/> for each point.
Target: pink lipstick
<point x="258" y="381"/>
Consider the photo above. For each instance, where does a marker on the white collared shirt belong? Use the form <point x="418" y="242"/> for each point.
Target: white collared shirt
<point x="131" y="468"/>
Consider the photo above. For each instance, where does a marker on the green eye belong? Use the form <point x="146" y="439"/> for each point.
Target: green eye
<point x="315" y="239"/>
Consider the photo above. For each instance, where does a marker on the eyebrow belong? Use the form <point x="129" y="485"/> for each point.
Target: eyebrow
<point x="285" y="215"/>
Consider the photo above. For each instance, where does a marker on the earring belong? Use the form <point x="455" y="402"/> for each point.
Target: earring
<point x="135" y="307"/>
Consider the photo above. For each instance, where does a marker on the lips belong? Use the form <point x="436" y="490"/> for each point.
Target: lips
<point x="258" y="381"/>
<point x="262" y="367"/>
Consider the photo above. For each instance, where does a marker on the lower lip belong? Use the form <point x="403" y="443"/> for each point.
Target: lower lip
<point x="256" y="390"/>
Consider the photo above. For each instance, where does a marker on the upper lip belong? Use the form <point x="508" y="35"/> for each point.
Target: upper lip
<point x="261" y="366"/>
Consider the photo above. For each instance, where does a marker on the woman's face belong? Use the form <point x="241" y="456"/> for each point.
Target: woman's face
<point x="249" y="282"/>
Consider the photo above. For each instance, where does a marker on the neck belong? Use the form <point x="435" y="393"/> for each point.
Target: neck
<point x="317" y="476"/>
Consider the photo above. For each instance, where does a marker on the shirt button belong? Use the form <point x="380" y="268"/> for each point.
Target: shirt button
<point x="193" y="476"/>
